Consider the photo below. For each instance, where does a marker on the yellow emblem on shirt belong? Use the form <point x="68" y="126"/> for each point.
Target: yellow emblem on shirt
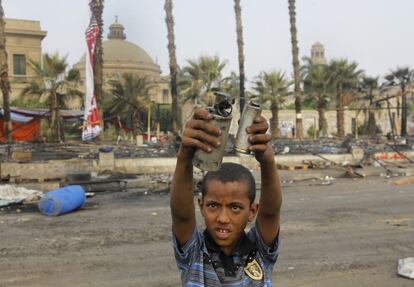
<point x="253" y="270"/>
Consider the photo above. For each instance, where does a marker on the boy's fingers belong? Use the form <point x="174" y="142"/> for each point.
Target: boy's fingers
<point x="205" y="126"/>
<point x="260" y="128"/>
<point x="259" y="119"/>
<point x="258" y="148"/>
<point x="202" y="114"/>
<point x="191" y="142"/>
<point x="203" y="137"/>
<point x="260" y="138"/>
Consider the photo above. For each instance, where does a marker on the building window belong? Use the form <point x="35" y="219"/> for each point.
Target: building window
<point x="165" y="96"/>
<point x="19" y="64"/>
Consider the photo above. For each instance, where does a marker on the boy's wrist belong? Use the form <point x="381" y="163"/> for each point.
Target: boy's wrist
<point x="267" y="157"/>
<point x="185" y="153"/>
<point x="267" y="161"/>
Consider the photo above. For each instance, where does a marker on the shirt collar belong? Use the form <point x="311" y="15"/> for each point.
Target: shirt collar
<point x="243" y="247"/>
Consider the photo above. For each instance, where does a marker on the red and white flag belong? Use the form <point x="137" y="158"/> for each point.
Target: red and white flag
<point x="92" y="123"/>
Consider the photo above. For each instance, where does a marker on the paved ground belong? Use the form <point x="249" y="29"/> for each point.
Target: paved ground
<point x="350" y="233"/>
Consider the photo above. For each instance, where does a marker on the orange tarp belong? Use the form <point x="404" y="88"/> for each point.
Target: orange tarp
<point x="29" y="131"/>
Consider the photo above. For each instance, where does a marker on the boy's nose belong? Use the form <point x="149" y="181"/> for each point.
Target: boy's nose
<point x="223" y="217"/>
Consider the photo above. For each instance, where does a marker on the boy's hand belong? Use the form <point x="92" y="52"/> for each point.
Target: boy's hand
<point x="259" y="140"/>
<point x="199" y="133"/>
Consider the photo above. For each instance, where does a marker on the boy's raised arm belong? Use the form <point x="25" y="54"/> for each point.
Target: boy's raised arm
<point x="198" y="133"/>
<point x="268" y="217"/>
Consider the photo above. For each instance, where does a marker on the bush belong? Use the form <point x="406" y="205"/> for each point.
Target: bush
<point x="311" y="131"/>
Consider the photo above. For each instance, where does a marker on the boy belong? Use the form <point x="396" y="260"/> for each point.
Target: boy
<point x="224" y="255"/>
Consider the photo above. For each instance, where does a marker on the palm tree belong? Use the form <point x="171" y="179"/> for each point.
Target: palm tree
<point x="368" y="86"/>
<point x="345" y="77"/>
<point x="318" y="90"/>
<point x="231" y="85"/>
<point x="129" y="98"/>
<point x="96" y="7"/>
<point x="239" y="29"/>
<point x="296" y="68"/>
<point x="272" y="87"/>
<point x="53" y="85"/>
<point x="4" y="78"/>
<point x="401" y="76"/>
<point x="199" y="77"/>
<point x="169" y="19"/>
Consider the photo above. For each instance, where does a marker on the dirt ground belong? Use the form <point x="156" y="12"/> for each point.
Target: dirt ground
<point x="349" y="233"/>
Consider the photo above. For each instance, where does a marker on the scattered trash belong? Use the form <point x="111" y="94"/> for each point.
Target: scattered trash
<point x="326" y="182"/>
<point x="62" y="200"/>
<point x="154" y="213"/>
<point x="90" y="194"/>
<point x="106" y="149"/>
<point x="78" y="176"/>
<point x="10" y="194"/>
<point x="99" y="185"/>
<point x="406" y="267"/>
<point x="404" y="221"/>
<point x="328" y="178"/>
<point x="376" y="164"/>
<point x="286" y="150"/>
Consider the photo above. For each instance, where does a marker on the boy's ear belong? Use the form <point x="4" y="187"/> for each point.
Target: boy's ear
<point x="254" y="208"/>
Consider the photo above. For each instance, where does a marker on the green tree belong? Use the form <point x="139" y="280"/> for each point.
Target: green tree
<point x="53" y="85"/>
<point x="401" y="76"/>
<point x="368" y="86"/>
<point x="345" y="77"/>
<point x="199" y="77"/>
<point x="231" y="85"/>
<point x="296" y="68"/>
<point x="128" y="99"/>
<point x="169" y="19"/>
<point x="4" y="78"/>
<point x="240" y="47"/>
<point x="272" y="87"/>
<point x="318" y="90"/>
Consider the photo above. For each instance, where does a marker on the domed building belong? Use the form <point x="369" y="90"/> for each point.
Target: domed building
<point x="121" y="56"/>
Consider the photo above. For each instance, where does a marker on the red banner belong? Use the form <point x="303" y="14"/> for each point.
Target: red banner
<point x="92" y="125"/>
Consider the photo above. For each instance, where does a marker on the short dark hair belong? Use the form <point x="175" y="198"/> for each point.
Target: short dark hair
<point x="230" y="172"/>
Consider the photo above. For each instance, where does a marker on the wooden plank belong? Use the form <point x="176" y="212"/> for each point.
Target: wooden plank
<point x="404" y="181"/>
<point x="291" y="166"/>
<point x="22" y="155"/>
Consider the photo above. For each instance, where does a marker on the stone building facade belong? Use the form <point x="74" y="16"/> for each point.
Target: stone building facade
<point x="23" y="43"/>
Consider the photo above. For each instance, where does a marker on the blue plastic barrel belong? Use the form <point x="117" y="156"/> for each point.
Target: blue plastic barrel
<point x="62" y="200"/>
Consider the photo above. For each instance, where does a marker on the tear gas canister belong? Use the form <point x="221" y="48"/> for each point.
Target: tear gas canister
<point x="250" y="111"/>
<point x="221" y="111"/>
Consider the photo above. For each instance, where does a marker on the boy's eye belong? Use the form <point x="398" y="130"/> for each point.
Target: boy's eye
<point x="236" y="207"/>
<point x="212" y="205"/>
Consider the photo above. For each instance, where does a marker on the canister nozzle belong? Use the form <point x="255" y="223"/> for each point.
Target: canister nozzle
<point x="222" y="104"/>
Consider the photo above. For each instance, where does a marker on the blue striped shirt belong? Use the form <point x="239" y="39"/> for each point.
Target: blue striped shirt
<point x="197" y="270"/>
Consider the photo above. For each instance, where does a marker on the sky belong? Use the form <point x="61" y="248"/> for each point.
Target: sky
<point x="377" y="34"/>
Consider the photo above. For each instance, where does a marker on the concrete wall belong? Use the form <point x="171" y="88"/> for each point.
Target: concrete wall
<point x="59" y="168"/>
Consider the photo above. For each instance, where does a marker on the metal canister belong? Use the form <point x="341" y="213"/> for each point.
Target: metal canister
<point x="210" y="161"/>
<point x="250" y="111"/>
<point x="221" y="111"/>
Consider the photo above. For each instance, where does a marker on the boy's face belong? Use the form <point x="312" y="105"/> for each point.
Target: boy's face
<point x="226" y="209"/>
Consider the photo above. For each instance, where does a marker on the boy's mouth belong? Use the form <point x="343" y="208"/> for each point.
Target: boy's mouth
<point x="222" y="233"/>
